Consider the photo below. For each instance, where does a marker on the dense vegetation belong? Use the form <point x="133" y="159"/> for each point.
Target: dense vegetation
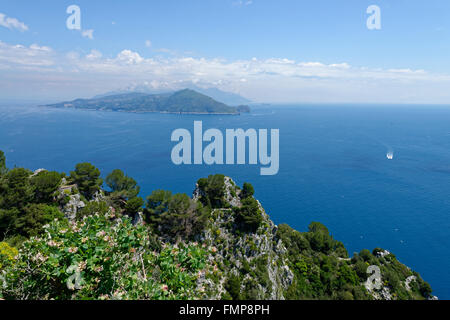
<point x="175" y="216"/>
<point x="219" y="244"/>
<point x="322" y="270"/>
<point x="184" y="101"/>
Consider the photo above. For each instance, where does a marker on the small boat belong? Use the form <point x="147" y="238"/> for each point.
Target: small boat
<point x="390" y="155"/>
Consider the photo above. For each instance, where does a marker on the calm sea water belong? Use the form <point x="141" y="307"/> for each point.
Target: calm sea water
<point x="333" y="167"/>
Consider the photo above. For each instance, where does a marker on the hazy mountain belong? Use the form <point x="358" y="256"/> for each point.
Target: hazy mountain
<point x="184" y="101"/>
<point x="228" y="98"/>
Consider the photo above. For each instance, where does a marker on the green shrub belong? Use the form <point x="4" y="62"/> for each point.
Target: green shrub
<point x="247" y="191"/>
<point x="97" y="258"/>
<point x="3" y="168"/>
<point x="248" y="217"/>
<point x="28" y="221"/>
<point x="16" y="190"/>
<point x="233" y="286"/>
<point x="425" y="289"/>
<point x="122" y="186"/>
<point x="87" y="178"/>
<point x="213" y="189"/>
<point x="133" y="206"/>
<point x="93" y="207"/>
<point x="8" y="255"/>
<point x="34" y="217"/>
<point x="176" y="216"/>
<point x="46" y="183"/>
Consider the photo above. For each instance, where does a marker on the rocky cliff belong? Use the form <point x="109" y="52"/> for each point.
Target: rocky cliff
<point x="247" y="256"/>
<point x="277" y="262"/>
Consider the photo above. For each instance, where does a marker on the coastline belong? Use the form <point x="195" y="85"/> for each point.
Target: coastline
<point x="143" y="112"/>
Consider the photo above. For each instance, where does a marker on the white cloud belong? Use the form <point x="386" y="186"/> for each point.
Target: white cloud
<point x="95" y="54"/>
<point x="88" y="34"/>
<point x="148" y="43"/>
<point x="19" y="56"/>
<point x="12" y="23"/>
<point x="129" y="57"/>
<point x="34" y="46"/>
<point x="274" y="80"/>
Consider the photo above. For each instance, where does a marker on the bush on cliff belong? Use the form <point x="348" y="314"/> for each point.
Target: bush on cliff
<point x="121" y="185"/>
<point x="249" y="216"/>
<point x="87" y="177"/>
<point x="175" y="216"/>
<point x="213" y="190"/>
<point x="45" y="184"/>
<point x="100" y="258"/>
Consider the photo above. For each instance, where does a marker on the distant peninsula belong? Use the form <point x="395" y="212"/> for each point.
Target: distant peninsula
<point x="181" y="102"/>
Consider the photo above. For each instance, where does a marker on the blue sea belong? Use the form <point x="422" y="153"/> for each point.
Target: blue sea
<point x="333" y="167"/>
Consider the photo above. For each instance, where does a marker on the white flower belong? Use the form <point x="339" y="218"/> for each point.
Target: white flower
<point x="73" y="249"/>
<point x="82" y="265"/>
<point x="101" y="234"/>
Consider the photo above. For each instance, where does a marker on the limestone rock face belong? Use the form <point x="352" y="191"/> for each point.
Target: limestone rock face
<point x="69" y="200"/>
<point x="260" y="253"/>
<point x="197" y="194"/>
<point x="408" y="282"/>
<point x="71" y="208"/>
<point x="98" y="196"/>
<point x="35" y="173"/>
<point x="383" y="253"/>
<point x="232" y="197"/>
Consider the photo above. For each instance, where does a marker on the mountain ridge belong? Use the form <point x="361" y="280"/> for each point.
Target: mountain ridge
<point x="185" y="101"/>
<point x="229" y="98"/>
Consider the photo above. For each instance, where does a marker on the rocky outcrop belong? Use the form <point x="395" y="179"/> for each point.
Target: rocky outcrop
<point x="408" y="282"/>
<point x="36" y="172"/>
<point x="382" y="254"/>
<point x="254" y="263"/>
<point x="258" y="256"/>
<point x="232" y="193"/>
<point x="69" y="199"/>
<point x="73" y="206"/>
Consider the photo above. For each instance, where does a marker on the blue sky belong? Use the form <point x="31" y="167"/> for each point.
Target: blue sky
<point x="301" y="51"/>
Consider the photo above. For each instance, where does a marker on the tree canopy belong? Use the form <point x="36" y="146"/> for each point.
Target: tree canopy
<point x="177" y="216"/>
<point x="16" y="189"/>
<point x="122" y="185"/>
<point x="213" y="190"/>
<point x="2" y="163"/>
<point x="249" y="216"/>
<point x="87" y="177"/>
<point x="247" y="190"/>
<point x="133" y="206"/>
<point x="45" y="184"/>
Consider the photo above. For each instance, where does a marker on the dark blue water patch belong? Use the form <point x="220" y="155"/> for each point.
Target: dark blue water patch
<point x="333" y="167"/>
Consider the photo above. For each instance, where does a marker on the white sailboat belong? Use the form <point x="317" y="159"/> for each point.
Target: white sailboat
<point x="390" y="155"/>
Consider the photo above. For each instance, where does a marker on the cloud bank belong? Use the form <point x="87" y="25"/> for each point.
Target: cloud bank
<point x="42" y="72"/>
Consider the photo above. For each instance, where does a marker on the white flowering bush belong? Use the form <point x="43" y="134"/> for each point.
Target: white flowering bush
<point x="101" y="257"/>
